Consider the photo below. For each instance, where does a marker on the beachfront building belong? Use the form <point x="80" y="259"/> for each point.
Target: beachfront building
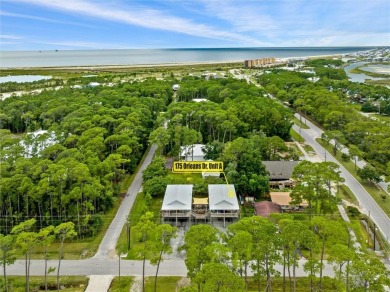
<point x="259" y="62"/>
<point x="280" y="173"/>
<point x="283" y="200"/>
<point x="177" y="204"/>
<point x="223" y="203"/>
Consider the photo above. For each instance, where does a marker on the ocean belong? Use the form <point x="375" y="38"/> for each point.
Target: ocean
<point x="59" y="58"/>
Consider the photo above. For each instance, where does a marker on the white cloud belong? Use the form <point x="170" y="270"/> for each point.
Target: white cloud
<point x="243" y="16"/>
<point x="25" y="16"/>
<point x="149" y="18"/>
<point x="11" y="37"/>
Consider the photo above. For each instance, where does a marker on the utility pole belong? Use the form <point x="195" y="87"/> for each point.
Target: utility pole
<point x="119" y="272"/>
<point x="128" y="233"/>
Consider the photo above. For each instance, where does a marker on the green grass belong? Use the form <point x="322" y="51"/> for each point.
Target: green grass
<point x="300" y="124"/>
<point x="382" y="118"/>
<point x="125" y="284"/>
<point x="139" y="208"/>
<point x="362" y="236"/>
<point x="379" y="82"/>
<point x="71" y="283"/>
<point x="86" y="247"/>
<point x="295" y="148"/>
<point x="296" y="136"/>
<point x="375" y="192"/>
<point x="303" y="284"/>
<point x="345" y="193"/>
<point x="308" y="148"/>
<point x="164" y="284"/>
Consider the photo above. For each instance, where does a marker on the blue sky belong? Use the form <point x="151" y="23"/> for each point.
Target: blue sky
<point x="119" y="24"/>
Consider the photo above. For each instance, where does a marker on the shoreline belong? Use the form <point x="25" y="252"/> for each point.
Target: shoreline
<point x="191" y="63"/>
<point x="93" y="67"/>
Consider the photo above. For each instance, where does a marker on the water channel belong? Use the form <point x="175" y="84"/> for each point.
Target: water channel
<point x="358" y="77"/>
<point x="23" y="78"/>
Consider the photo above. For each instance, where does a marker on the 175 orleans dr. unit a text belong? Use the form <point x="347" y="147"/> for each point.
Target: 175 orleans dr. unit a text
<point x="197" y="166"/>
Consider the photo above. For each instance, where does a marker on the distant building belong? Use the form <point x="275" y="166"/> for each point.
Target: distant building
<point x="176" y="87"/>
<point x="313" y="79"/>
<point x="199" y="99"/>
<point x="259" y="62"/>
<point x="192" y="152"/>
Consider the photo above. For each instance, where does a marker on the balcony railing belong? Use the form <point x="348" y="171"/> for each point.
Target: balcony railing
<point x="175" y="213"/>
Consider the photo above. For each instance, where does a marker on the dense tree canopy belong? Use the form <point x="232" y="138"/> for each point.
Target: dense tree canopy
<point x="327" y="102"/>
<point x="94" y="137"/>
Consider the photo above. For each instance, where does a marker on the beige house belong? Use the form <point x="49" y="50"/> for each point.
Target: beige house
<point x="283" y="199"/>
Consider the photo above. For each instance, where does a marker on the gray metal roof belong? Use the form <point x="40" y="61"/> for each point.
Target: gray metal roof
<point x="280" y="170"/>
<point x="177" y="197"/>
<point x="219" y="198"/>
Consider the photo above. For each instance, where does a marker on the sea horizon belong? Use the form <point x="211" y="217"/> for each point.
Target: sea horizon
<point x="130" y="57"/>
<point x="198" y="48"/>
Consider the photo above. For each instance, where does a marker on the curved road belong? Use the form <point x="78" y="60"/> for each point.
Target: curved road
<point x="365" y="200"/>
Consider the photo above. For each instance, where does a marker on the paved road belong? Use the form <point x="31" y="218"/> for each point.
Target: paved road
<point x="95" y="266"/>
<point x="108" y="244"/>
<point x="369" y="205"/>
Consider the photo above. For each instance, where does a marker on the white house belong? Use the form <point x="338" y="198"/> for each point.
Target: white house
<point x="192" y="152"/>
<point x="177" y="203"/>
<point x="223" y="202"/>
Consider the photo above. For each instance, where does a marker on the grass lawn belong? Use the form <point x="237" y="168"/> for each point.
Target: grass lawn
<point x="379" y="82"/>
<point x="124" y="285"/>
<point x="295" y="136"/>
<point x="300" y="124"/>
<point x="308" y="148"/>
<point x="70" y="283"/>
<point x="375" y="192"/>
<point x="171" y="284"/>
<point x="139" y="208"/>
<point x="303" y="284"/>
<point x="345" y="193"/>
<point x="85" y="247"/>
<point x="361" y="233"/>
<point x="292" y="146"/>
<point x="382" y="118"/>
<point x="164" y="284"/>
